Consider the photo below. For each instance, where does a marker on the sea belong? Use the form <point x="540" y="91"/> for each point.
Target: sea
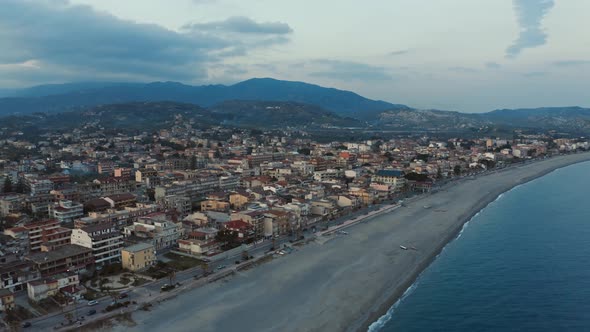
<point x="520" y="264"/>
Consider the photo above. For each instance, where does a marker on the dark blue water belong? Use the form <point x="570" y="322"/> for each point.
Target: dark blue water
<point x="521" y="264"/>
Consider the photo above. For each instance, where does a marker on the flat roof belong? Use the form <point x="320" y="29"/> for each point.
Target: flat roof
<point x="139" y="247"/>
<point x="62" y="252"/>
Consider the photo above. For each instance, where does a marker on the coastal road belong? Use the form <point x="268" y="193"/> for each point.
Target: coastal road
<point x="347" y="282"/>
<point x="146" y="292"/>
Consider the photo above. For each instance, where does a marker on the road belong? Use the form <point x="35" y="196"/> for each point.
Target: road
<point x="147" y="292"/>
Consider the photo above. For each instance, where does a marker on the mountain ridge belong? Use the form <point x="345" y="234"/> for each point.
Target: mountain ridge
<point x="341" y="102"/>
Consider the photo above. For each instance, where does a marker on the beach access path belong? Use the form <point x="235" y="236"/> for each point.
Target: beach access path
<point x="348" y="282"/>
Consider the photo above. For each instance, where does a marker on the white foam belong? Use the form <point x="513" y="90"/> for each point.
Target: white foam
<point x="380" y="323"/>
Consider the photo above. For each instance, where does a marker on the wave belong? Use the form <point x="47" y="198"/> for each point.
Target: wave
<point x="380" y="323"/>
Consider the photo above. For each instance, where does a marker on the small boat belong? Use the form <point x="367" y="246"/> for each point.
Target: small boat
<point x="404" y="248"/>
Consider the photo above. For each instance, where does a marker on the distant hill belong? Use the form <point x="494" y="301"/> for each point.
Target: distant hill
<point x="63" y="97"/>
<point x="146" y="116"/>
<point x="570" y="118"/>
<point x="566" y="119"/>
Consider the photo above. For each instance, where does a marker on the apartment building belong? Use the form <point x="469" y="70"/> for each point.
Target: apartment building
<point x="104" y="240"/>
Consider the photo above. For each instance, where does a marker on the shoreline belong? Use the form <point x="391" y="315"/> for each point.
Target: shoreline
<point x="349" y="282"/>
<point x="380" y="310"/>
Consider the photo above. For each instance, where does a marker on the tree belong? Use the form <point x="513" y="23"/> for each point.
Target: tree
<point x="7" y="184"/>
<point x="413" y="176"/>
<point x="193" y="162"/>
<point x="20" y="186"/>
<point x="304" y="151"/>
<point x="457" y="170"/>
<point x="217" y="154"/>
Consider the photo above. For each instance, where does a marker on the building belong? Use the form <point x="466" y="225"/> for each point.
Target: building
<point x="41" y="289"/>
<point x="47" y="233"/>
<point x="69" y="258"/>
<point x="238" y="200"/>
<point x="120" y="201"/>
<point x="6" y="300"/>
<point x="155" y="229"/>
<point x="66" y="211"/>
<point x="197" y="247"/>
<point x="180" y="204"/>
<point x="14" y="276"/>
<point x="138" y="256"/>
<point x="37" y="187"/>
<point x="104" y="240"/>
<point x="391" y="177"/>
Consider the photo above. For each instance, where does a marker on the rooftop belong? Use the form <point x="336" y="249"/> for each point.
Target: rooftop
<point x="68" y="250"/>
<point x="139" y="247"/>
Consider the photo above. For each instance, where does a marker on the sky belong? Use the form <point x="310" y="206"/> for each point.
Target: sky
<point x="462" y="55"/>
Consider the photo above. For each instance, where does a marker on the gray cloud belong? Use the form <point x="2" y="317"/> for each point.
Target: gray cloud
<point x="75" y="42"/>
<point x="529" y="14"/>
<point x="571" y="63"/>
<point x="242" y="25"/>
<point x="534" y="74"/>
<point x="464" y="70"/>
<point x="398" y="52"/>
<point x="348" y="70"/>
<point x="493" y="65"/>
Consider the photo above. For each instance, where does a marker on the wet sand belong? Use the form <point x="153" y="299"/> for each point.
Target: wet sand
<point x="348" y="282"/>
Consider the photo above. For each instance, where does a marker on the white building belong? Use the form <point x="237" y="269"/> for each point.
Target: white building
<point x="104" y="240"/>
<point x="66" y="211"/>
<point x="158" y="231"/>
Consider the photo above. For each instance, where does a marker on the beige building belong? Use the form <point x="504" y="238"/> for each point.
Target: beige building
<point x="138" y="257"/>
<point x="6" y="300"/>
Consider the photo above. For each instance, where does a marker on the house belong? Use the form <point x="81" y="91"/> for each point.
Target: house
<point x="38" y="290"/>
<point x="197" y="247"/>
<point x="214" y="205"/>
<point x="104" y="240"/>
<point x="238" y="200"/>
<point x="138" y="256"/>
<point x="244" y="230"/>
<point x="347" y="201"/>
<point x="14" y="276"/>
<point x="6" y="300"/>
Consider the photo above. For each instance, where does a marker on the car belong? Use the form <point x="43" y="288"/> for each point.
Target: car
<point x="26" y="324"/>
<point x="91" y="312"/>
<point x="123" y="295"/>
<point x="93" y="302"/>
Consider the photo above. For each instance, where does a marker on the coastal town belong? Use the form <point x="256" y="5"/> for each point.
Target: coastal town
<point x="97" y="222"/>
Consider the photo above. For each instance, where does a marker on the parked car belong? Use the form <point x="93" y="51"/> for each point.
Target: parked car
<point x="123" y="295"/>
<point x="26" y="324"/>
<point x="91" y="312"/>
<point x="93" y="302"/>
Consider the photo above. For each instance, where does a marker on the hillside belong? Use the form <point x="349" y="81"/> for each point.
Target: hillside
<point x="64" y="97"/>
<point x="564" y="119"/>
<point x="146" y="116"/>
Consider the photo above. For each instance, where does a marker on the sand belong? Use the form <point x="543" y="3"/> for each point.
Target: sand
<point x="346" y="283"/>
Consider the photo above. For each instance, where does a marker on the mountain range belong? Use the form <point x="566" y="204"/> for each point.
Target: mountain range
<point x="63" y="97"/>
<point x="270" y="102"/>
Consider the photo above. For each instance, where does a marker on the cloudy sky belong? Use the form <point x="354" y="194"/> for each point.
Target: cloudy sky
<point x="465" y="55"/>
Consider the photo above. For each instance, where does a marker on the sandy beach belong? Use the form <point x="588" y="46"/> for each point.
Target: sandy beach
<point x="348" y="282"/>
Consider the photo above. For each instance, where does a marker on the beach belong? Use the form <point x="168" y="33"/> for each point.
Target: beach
<point x="349" y="281"/>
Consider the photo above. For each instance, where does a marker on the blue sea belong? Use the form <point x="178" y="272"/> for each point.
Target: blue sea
<point x="521" y="264"/>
